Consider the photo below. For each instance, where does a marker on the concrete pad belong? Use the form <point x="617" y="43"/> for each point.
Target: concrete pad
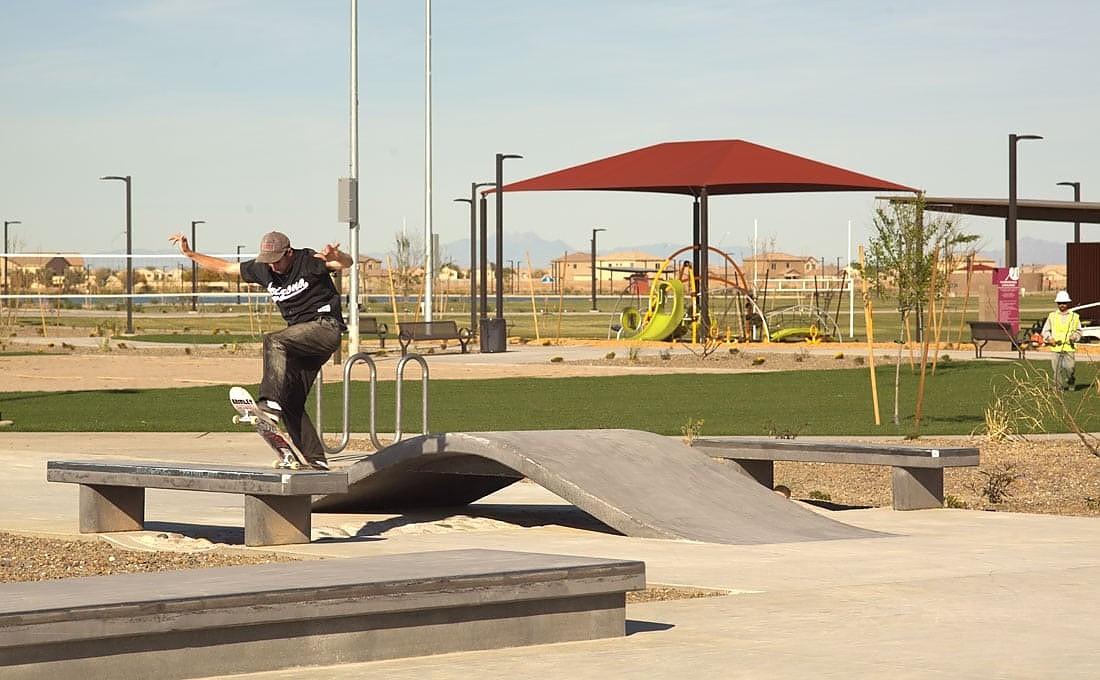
<point x="948" y="594"/>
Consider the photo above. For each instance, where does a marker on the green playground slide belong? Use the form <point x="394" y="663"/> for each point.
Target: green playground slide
<point x="666" y="310"/>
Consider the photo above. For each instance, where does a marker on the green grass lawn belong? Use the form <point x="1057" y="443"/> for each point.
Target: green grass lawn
<point x="825" y="402"/>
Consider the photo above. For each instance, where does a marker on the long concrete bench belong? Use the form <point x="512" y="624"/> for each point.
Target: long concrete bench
<point x="230" y="620"/>
<point x="277" y="503"/>
<point x="917" y="471"/>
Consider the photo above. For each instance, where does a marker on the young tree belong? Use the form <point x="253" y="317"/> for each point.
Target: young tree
<point x="407" y="265"/>
<point x="901" y="257"/>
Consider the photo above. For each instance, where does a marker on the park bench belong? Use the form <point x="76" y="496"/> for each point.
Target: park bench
<point x="370" y="325"/>
<point x="917" y="471"/>
<point x="268" y="617"/>
<point x="277" y="503"/>
<point x="414" y="331"/>
<point x="983" y="332"/>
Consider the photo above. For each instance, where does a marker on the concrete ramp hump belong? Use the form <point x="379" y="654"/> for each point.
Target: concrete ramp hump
<point x="638" y="483"/>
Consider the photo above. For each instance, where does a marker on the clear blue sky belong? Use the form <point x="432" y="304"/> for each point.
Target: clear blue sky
<point x="236" y="112"/>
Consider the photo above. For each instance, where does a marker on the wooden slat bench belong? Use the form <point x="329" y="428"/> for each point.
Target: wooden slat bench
<point x="277" y="503"/>
<point x="917" y="471"/>
<point x="983" y="332"/>
<point x="268" y="617"/>
<point x="413" y="331"/>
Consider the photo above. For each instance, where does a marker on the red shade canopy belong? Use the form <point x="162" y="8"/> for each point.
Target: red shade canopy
<point x="725" y="166"/>
<point x="701" y="169"/>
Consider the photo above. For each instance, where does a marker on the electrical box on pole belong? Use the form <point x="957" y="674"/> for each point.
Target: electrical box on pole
<point x="348" y="201"/>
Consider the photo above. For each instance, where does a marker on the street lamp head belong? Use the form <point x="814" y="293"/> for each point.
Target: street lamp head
<point x="1069" y="184"/>
<point x="502" y="156"/>
<point x="463" y="200"/>
<point x="194" y="222"/>
<point x="1016" y="138"/>
<point x="7" y="222"/>
<point x="120" y="178"/>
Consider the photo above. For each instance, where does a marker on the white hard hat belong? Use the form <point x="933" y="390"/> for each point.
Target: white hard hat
<point x="1061" y="297"/>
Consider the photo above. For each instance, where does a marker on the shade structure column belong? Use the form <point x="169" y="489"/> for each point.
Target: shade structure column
<point x="704" y="267"/>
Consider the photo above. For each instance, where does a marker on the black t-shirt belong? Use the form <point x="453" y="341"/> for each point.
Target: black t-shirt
<point x="304" y="293"/>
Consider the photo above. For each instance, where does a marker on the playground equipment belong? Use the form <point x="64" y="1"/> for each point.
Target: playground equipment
<point x="672" y="311"/>
<point x="672" y="308"/>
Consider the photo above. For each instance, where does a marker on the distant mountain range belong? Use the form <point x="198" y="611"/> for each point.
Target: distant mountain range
<point x="517" y="247"/>
<point x="542" y="252"/>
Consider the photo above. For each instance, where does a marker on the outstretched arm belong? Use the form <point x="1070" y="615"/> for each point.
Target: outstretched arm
<point x="334" y="257"/>
<point x="214" y="264"/>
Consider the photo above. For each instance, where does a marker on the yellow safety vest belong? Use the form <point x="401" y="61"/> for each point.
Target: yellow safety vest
<point x="1061" y="327"/>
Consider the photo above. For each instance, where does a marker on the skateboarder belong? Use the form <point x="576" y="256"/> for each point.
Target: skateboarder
<point x="300" y="285"/>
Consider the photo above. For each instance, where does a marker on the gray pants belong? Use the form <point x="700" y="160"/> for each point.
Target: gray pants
<point x="292" y="359"/>
<point x="1063" y="365"/>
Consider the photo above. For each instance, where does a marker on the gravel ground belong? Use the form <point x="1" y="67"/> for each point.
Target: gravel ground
<point x="33" y="558"/>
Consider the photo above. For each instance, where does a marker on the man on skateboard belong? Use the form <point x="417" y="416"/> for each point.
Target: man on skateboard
<point x="300" y="285"/>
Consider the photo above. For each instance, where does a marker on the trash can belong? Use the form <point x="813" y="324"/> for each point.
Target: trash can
<point x="494" y="335"/>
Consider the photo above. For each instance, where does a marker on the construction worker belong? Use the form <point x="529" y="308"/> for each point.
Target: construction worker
<point x="1062" y="331"/>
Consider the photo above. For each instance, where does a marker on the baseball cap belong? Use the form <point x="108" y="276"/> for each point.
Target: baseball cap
<point x="272" y="247"/>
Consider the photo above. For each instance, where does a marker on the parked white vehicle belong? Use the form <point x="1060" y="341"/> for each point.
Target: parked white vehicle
<point x="1088" y="333"/>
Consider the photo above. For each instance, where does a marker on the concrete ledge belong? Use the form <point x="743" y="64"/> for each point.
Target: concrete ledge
<point x="278" y="503"/>
<point x="212" y="478"/>
<point x="917" y="475"/>
<point x="267" y="617"/>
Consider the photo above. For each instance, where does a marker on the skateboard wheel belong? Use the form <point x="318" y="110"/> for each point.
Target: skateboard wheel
<point x="236" y="420"/>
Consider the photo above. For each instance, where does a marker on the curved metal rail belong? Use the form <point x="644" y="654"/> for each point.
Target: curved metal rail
<point x="363" y="357"/>
<point x="398" y="389"/>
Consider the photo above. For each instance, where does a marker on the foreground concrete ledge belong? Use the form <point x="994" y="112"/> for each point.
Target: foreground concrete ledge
<point x="198" y="623"/>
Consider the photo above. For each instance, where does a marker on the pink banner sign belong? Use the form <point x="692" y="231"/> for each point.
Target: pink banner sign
<point x="1007" y="280"/>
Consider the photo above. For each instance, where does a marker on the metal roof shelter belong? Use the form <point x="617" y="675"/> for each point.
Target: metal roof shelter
<point x="1035" y="210"/>
<point x="701" y="169"/>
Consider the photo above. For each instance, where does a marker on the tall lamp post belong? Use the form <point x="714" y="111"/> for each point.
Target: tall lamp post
<point x="1010" y="222"/>
<point x="194" y="269"/>
<point x="238" y="273"/>
<point x="6" y="223"/>
<point x="594" y="232"/>
<point x="472" y="200"/>
<point x="129" y="255"/>
<point x="494" y="331"/>
<point x="1077" y="199"/>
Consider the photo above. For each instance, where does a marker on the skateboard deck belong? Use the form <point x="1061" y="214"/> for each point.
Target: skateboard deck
<point x="249" y="412"/>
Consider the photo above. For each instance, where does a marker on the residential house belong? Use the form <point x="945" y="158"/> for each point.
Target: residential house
<point x="780" y="266"/>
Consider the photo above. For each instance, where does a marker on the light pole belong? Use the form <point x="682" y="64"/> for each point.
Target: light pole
<point x="238" y="273"/>
<point x="594" y="232"/>
<point x="6" y="223"/>
<point x="194" y="269"/>
<point x="472" y="200"/>
<point x="512" y="276"/>
<point x="1077" y="199"/>
<point x="494" y="334"/>
<point x="129" y="256"/>
<point x="1010" y="221"/>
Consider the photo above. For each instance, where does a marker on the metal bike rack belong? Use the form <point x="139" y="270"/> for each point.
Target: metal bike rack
<point x="398" y="388"/>
<point x="363" y="357"/>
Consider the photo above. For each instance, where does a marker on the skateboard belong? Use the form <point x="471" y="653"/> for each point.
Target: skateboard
<point x="249" y="412"/>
